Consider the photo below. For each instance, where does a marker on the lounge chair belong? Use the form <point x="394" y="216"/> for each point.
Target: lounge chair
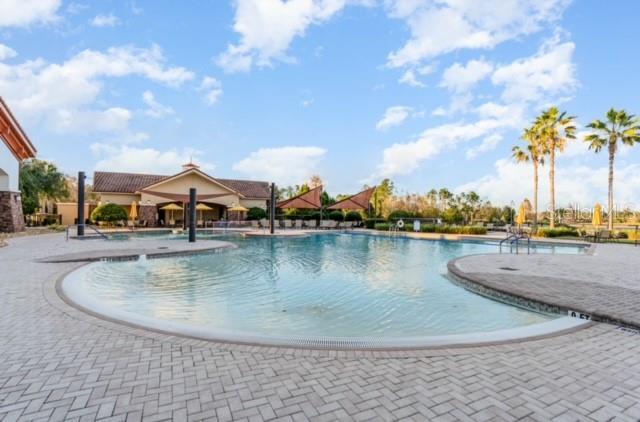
<point x="311" y="224"/>
<point x="347" y="225"/>
<point x="288" y="224"/>
<point x="264" y="223"/>
<point x="606" y="235"/>
<point x="255" y="224"/>
<point x="325" y="224"/>
<point x="298" y="224"/>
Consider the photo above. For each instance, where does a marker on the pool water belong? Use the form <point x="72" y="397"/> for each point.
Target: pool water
<point x="334" y="285"/>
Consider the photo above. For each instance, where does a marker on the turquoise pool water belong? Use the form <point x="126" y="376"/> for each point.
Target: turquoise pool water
<point x="335" y="285"/>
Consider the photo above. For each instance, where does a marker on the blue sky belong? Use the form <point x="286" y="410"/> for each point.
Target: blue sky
<point x="428" y="93"/>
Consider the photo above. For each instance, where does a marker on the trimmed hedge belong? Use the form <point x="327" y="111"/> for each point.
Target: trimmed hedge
<point x="353" y="216"/>
<point x="430" y="228"/>
<point x="256" y="213"/>
<point x="370" y="223"/>
<point x="559" y="232"/>
<point x="109" y="213"/>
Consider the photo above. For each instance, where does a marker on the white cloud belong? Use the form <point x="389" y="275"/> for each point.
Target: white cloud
<point x="549" y="71"/>
<point x="101" y="21"/>
<point x="212" y="89"/>
<point x="267" y="28"/>
<point x="40" y="90"/>
<point x="410" y="76"/>
<point x="489" y="143"/>
<point x="459" y="103"/>
<point x="575" y="184"/>
<point x="127" y="158"/>
<point x="285" y="165"/>
<point x="459" y="78"/>
<point x="448" y="25"/>
<point x="7" y="52"/>
<point x="393" y="116"/>
<point x="155" y="110"/>
<point x="404" y="158"/>
<point x="26" y="12"/>
<point x="307" y="103"/>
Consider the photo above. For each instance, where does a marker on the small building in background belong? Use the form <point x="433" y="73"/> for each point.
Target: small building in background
<point x="15" y="147"/>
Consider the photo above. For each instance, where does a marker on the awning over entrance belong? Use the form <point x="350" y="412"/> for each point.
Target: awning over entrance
<point x="311" y="200"/>
<point x="359" y="201"/>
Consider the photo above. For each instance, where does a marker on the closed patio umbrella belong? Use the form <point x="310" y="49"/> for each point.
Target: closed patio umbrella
<point x="133" y="214"/>
<point x="597" y="216"/>
<point x="522" y="216"/>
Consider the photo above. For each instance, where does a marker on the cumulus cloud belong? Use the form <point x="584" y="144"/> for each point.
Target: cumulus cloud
<point x="155" y="109"/>
<point x="579" y="185"/>
<point x="113" y="119"/>
<point x="275" y="164"/>
<point x="101" y="21"/>
<point x="17" y="13"/>
<point x="127" y="158"/>
<point x="411" y="76"/>
<point x="489" y="143"/>
<point x="7" y="52"/>
<point x="441" y="27"/>
<point x="212" y="89"/>
<point x="548" y="72"/>
<point x="393" y="116"/>
<point x="267" y="28"/>
<point x="37" y="89"/>
<point x="460" y="78"/>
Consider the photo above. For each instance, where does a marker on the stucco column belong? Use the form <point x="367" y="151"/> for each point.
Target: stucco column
<point x="11" y="217"/>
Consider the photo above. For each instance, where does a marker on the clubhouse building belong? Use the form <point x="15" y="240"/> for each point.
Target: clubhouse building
<point x="151" y="193"/>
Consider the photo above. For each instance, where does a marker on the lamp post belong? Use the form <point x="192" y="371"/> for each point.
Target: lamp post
<point x="192" y="215"/>
<point x="81" y="178"/>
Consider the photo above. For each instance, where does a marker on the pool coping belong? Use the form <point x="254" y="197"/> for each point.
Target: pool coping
<point x="480" y="286"/>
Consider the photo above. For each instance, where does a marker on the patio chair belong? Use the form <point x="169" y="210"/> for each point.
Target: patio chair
<point x="311" y="224"/>
<point x="298" y="224"/>
<point x="334" y="224"/>
<point x="288" y="224"/>
<point x="172" y="223"/>
<point x="264" y="223"/>
<point x="606" y="236"/>
<point x="347" y="225"/>
<point x="200" y="223"/>
<point x="255" y="224"/>
<point x="325" y="224"/>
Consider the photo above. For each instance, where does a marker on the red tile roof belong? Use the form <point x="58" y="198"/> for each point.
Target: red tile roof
<point x="111" y="182"/>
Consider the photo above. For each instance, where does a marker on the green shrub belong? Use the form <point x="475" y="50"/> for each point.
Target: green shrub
<point x="370" y="223"/>
<point x="336" y="216"/>
<point x="397" y="214"/>
<point x="382" y="226"/>
<point x="256" y="213"/>
<point x="353" y="216"/>
<point x="109" y="213"/>
<point x="559" y="232"/>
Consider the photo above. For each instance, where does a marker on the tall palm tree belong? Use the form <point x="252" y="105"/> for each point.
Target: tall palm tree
<point x="534" y="153"/>
<point x="619" y="126"/>
<point x="556" y="128"/>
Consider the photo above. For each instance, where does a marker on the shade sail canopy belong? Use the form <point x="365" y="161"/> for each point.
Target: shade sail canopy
<point x="311" y="200"/>
<point x="133" y="214"/>
<point x="203" y="207"/>
<point x="597" y="215"/>
<point x="359" y="201"/>
<point x="172" y="207"/>
<point x="238" y="208"/>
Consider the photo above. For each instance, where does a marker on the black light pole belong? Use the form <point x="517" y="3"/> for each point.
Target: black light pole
<point x="192" y="215"/>
<point x="272" y="209"/>
<point x="80" y="228"/>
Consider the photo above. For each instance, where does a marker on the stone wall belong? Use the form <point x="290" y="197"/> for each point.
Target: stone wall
<point x="11" y="218"/>
<point x="148" y="213"/>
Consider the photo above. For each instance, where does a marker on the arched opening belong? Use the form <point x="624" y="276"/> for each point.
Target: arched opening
<point x="4" y="181"/>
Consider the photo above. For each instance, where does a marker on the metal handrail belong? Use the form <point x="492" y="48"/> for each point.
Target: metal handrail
<point x="516" y="238"/>
<point x="95" y="229"/>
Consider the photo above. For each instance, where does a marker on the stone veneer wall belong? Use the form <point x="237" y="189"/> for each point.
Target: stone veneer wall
<point x="148" y="213"/>
<point x="11" y="218"/>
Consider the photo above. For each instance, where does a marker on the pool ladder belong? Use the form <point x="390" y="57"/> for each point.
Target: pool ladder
<point x="86" y="226"/>
<point x="515" y="238"/>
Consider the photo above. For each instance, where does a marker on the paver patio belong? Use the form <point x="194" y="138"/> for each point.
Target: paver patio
<point x="59" y="363"/>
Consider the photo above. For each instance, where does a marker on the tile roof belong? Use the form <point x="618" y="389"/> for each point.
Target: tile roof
<point x="111" y="182"/>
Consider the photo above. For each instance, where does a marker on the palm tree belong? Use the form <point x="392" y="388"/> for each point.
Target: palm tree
<point x="619" y="126"/>
<point x="556" y="128"/>
<point x="534" y="153"/>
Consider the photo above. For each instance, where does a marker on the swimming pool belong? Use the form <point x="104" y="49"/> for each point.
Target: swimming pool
<point x="321" y="286"/>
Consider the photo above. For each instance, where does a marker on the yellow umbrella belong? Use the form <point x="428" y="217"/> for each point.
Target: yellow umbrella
<point x="203" y="207"/>
<point x="522" y="216"/>
<point x="172" y="207"/>
<point x="133" y="214"/>
<point x="238" y="208"/>
<point x="597" y="215"/>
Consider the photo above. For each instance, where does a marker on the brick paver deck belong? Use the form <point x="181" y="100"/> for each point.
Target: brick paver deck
<point x="58" y="363"/>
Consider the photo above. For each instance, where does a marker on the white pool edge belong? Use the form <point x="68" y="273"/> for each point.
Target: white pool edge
<point x="72" y="291"/>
